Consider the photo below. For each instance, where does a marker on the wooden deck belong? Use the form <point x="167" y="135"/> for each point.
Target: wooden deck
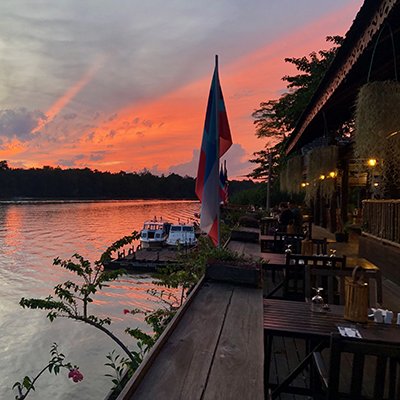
<point x="287" y="352"/>
<point x="215" y="352"/>
<point x="214" y="349"/>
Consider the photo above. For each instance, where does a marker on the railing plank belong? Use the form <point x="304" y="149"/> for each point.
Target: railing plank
<point x="381" y="219"/>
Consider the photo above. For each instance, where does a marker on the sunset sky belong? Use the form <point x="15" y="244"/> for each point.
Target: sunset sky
<point x="123" y="84"/>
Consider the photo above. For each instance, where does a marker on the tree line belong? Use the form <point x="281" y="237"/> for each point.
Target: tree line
<point x="76" y="183"/>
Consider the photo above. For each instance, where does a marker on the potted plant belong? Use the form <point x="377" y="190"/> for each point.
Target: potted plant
<point x="222" y="264"/>
<point x="342" y="234"/>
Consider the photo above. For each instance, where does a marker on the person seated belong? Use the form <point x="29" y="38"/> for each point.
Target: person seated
<point x="297" y="217"/>
<point x="285" y="217"/>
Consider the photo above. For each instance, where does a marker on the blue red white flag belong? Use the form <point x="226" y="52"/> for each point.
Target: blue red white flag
<point x="223" y="184"/>
<point x="215" y="143"/>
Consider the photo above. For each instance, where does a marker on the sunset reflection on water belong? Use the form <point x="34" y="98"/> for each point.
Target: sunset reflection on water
<point x="31" y="236"/>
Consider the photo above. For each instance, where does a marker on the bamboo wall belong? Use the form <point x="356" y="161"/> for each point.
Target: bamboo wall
<point x="381" y="218"/>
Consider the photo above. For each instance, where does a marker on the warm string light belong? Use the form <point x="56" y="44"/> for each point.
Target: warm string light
<point x="372" y="162"/>
<point x="332" y="175"/>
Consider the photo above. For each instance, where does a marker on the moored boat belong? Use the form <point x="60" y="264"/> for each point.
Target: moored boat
<point x="154" y="233"/>
<point x="182" y="234"/>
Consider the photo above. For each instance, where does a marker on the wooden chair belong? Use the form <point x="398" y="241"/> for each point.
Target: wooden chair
<point x="374" y="369"/>
<point x="307" y="228"/>
<point x="282" y="240"/>
<point x="294" y="272"/>
<point x="316" y="260"/>
<point x="332" y="280"/>
<point x="320" y="246"/>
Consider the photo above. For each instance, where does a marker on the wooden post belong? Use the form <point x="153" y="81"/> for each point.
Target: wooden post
<point x="344" y="190"/>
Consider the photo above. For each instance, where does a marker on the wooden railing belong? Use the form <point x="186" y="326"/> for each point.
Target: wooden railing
<point x="381" y="218"/>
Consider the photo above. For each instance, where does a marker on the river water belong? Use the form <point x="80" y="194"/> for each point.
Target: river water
<point x="32" y="234"/>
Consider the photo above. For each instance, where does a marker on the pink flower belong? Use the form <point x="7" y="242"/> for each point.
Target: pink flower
<point x="126" y="311"/>
<point x="75" y="375"/>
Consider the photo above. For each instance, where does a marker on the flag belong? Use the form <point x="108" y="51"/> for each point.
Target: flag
<point x="216" y="141"/>
<point x="223" y="184"/>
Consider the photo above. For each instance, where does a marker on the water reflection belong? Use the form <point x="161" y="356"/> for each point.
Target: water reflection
<point x="31" y="236"/>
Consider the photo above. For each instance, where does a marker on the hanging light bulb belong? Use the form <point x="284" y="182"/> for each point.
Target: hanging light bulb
<point x="332" y="174"/>
<point x="372" y="162"/>
<point x="322" y="177"/>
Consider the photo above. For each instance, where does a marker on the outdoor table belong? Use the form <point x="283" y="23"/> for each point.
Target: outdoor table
<point x="295" y="319"/>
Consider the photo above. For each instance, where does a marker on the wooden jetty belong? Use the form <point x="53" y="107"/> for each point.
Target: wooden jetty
<point x="147" y="260"/>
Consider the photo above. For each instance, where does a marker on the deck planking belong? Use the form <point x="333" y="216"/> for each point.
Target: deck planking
<point x="214" y="350"/>
<point x="237" y="356"/>
<point x="148" y="259"/>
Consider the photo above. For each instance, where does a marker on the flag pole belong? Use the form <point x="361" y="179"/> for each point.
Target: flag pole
<point x="216" y="94"/>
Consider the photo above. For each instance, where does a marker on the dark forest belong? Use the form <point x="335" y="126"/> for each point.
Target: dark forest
<point x="57" y="183"/>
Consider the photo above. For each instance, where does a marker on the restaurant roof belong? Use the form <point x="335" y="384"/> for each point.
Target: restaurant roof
<point x="334" y="100"/>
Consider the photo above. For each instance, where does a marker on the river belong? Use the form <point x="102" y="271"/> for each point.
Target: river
<point x="32" y="234"/>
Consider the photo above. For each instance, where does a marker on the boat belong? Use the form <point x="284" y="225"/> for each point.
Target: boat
<point x="154" y="233"/>
<point x="182" y="234"/>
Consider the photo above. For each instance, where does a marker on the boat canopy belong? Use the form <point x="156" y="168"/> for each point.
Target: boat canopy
<point x="153" y="226"/>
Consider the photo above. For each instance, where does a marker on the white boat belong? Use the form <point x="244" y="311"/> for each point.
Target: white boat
<point x="181" y="234"/>
<point x="154" y="233"/>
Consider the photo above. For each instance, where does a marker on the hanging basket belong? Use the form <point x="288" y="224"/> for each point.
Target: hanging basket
<point x="378" y="129"/>
<point x="356" y="297"/>
<point x="292" y="175"/>
<point x="377" y="117"/>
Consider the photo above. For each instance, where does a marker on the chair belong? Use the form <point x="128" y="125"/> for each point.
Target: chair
<point x="314" y="247"/>
<point x="282" y="240"/>
<point x="332" y="280"/>
<point x="316" y="260"/>
<point x="320" y="246"/>
<point x="294" y="272"/>
<point x="374" y="373"/>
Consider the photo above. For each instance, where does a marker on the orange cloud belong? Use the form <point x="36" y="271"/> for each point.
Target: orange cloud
<point x="164" y="131"/>
<point x="60" y="103"/>
<point x="11" y="148"/>
<point x="178" y="117"/>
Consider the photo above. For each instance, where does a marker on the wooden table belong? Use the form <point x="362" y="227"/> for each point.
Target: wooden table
<point x="295" y="319"/>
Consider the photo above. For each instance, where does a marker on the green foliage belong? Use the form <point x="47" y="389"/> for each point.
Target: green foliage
<point x="55" y="364"/>
<point x="277" y="118"/>
<point x="57" y="183"/>
<point x="118" y="365"/>
<point x="255" y="197"/>
<point x="4" y="165"/>
<point x="190" y="266"/>
<point x="72" y="299"/>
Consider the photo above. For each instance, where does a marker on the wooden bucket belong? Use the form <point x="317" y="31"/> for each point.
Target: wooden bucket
<point x="307" y="247"/>
<point x="290" y="229"/>
<point x="356" y="297"/>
